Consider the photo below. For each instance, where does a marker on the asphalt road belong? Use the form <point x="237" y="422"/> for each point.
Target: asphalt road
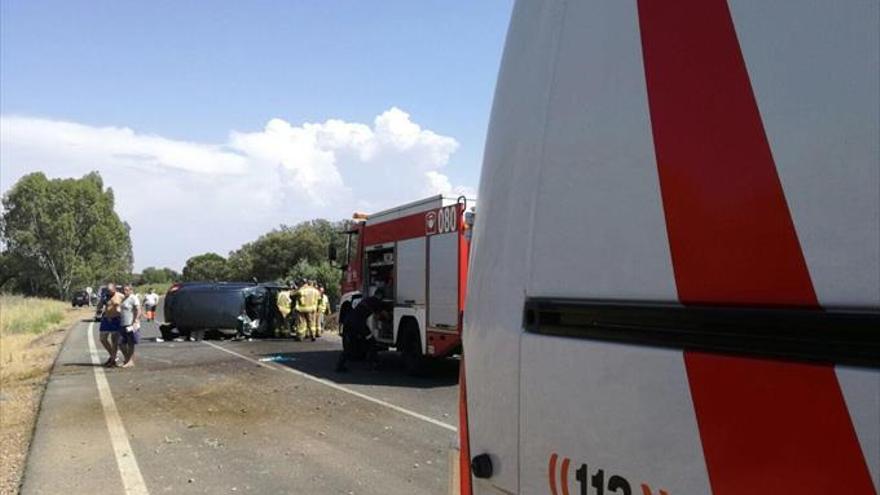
<point x="215" y="417"/>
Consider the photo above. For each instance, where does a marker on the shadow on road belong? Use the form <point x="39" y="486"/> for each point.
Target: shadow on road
<point x="437" y="372"/>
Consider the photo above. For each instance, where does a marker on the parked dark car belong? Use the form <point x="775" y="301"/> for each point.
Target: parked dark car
<point x="80" y="299"/>
<point x="103" y="296"/>
<point x="196" y="309"/>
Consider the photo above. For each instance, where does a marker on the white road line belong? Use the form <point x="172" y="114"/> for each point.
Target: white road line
<point x="336" y="386"/>
<point x="132" y="480"/>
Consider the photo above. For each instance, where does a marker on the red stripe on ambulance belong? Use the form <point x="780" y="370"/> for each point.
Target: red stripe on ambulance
<point x="551" y="475"/>
<point x="730" y="231"/>
<point x="766" y="426"/>
<point x="564" y="475"/>
<point x="775" y="427"/>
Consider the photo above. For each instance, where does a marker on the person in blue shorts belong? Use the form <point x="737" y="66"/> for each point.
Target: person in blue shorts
<point x="110" y="324"/>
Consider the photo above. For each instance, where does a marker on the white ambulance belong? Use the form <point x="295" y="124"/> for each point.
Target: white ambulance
<point x="675" y="274"/>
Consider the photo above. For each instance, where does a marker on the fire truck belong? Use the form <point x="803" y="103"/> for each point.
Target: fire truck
<point x="675" y="276"/>
<point x="417" y="255"/>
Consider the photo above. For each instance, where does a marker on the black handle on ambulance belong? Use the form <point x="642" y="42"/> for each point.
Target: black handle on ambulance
<point x="481" y="466"/>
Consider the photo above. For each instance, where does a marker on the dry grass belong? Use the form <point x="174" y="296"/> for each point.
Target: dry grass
<point x="31" y="331"/>
<point x="23" y="321"/>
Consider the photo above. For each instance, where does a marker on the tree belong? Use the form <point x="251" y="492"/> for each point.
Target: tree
<point x="241" y="264"/>
<point x="206" y="267"/>
<point x="153" y="275"/>
<point x="291" y="253"/>
<point x="19" y="275"/>
<point x="62" y="232"/>
<point x="273" y="255"/>
<point x="323" y="273"/>
<point x="281" y="255"/>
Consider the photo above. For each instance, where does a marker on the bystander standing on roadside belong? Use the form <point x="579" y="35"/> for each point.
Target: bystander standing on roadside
<point x="110" y="324"/>
<point x="151" y="300"/>
<point x="129" y="334"/>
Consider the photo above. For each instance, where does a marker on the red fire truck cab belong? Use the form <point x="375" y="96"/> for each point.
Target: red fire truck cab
<point x="417" y="255"/>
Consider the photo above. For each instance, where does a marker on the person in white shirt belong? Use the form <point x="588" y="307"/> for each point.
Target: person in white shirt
<point x="151" y="300"/>
<point x="129" y="335"/>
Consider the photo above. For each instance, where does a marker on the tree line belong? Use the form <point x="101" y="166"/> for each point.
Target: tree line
<point x="286" y="254"/>
<point x="61" y="235"/>
<point x="153" y="275"/>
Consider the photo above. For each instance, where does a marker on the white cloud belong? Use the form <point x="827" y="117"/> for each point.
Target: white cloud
<point x="119" y="145"/>
<point x="438" y="182"/>
<point x="182" y="198"/>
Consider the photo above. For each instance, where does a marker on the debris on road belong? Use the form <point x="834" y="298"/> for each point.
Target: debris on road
<point x="277" y="359"/>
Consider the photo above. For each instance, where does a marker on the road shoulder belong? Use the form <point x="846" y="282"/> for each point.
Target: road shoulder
<point x="23" y="385"/>
<point x="71" y="445"/>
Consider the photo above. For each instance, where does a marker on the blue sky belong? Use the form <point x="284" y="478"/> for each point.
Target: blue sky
<point x="192" y="73"/>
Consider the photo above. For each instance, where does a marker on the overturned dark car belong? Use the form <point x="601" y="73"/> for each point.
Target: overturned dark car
<point x="199" y="309"/>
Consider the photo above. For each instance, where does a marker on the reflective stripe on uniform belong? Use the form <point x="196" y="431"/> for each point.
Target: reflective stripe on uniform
<point x="324" y="304"/>
<point x="283" y="303"/>
<point x="307" y="300"/>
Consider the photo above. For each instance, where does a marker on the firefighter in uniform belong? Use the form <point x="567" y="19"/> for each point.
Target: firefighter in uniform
<point x="283" y="302"/>
<point x="323" y="309"/>
<point x="357" y="339"/>
<point x="307" y="311"/>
